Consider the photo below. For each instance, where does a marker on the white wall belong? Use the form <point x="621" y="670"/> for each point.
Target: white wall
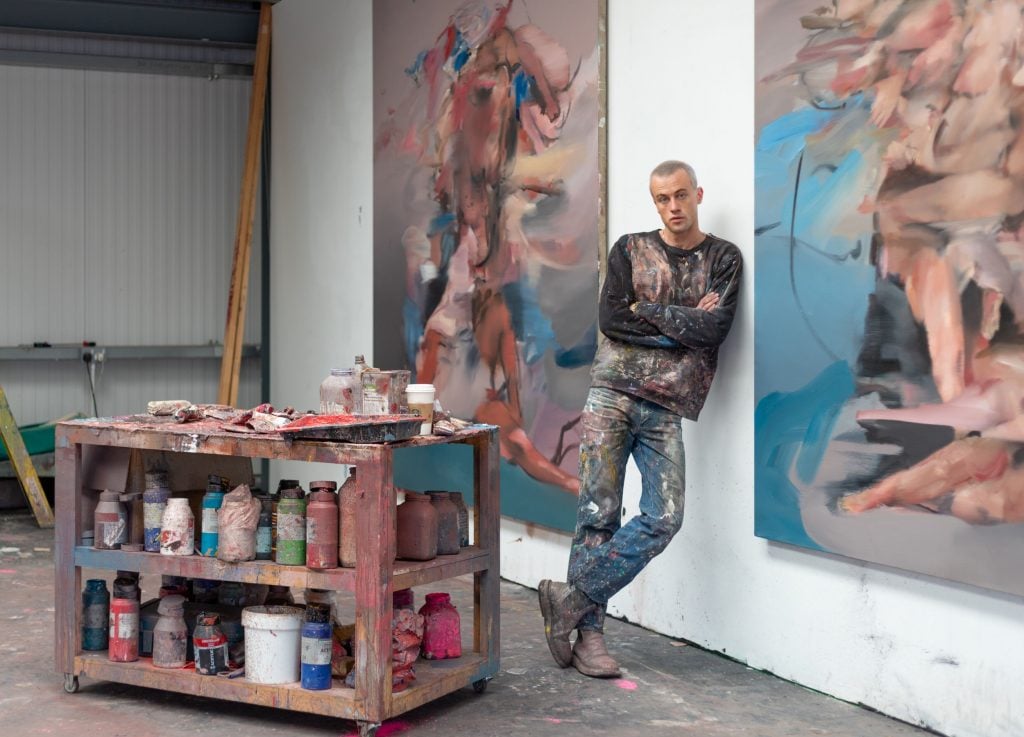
<point x="118" y="201"/>
<point x="680" y="85"/>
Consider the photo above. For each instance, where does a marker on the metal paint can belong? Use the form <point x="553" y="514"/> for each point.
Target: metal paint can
<point x="315" y="656"/>
<point x="124" y="631"/>
<point x="95" y="614"/>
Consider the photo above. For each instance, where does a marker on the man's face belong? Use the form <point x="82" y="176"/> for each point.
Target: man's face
<point x="676" y="199"/>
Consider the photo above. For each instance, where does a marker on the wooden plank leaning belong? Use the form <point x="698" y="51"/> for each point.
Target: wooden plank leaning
<point x="22" y="463"/>
<point x="238" y="292"/>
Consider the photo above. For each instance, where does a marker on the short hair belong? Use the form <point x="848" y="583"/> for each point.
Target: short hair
<point x="670" y="167"/>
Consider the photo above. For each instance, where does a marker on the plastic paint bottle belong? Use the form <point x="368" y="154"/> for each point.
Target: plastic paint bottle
<point x="322" y="526"/>
<point x="348" y="502"/>
<point x="95" y="614"/>
<point x="170" y="636"/>
<point x="177" y="528"/>
<point x="291" y="528"/>
<point x="442" y="636"/>
<point x="316" y="656"/>
<point x="265" y="530"/>
<point x="154" y="499"/>
<point x="124" y="631"/>
<point x="212" y="501"/>
<point x="211" y="645"/>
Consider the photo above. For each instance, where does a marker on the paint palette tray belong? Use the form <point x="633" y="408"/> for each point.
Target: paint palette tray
<point x="353" y="428"/>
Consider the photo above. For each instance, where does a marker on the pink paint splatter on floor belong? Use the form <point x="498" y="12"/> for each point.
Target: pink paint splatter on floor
<point x="387" y="729"/>
<point x="553" y="720"/>
<point x="625" y="685"/>
<point x="8" y="571"/>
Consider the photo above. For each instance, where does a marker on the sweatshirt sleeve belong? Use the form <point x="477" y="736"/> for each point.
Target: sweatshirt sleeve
<point x="696" y="328"/>
<point x="617" y="321"/>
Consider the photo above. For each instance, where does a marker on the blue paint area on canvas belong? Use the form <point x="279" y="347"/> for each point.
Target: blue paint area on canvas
<point x="814" y="277"/>
<point x="793" y="429"/>
<point x="450" y="467"/>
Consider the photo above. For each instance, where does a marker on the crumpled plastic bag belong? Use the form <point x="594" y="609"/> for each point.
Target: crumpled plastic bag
<point x="237" y="520"/>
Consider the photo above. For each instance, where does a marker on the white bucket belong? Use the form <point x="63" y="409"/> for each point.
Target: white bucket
<point x="273" y="643"/>
<point x="420" y="398"/>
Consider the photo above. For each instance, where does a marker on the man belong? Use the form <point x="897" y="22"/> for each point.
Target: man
<point x="667" y="303"/>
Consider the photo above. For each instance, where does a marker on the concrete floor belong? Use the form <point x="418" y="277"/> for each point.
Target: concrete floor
<point x="668" y="689"/>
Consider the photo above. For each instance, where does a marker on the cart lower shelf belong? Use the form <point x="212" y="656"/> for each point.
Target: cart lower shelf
<point x="433" y="679"/>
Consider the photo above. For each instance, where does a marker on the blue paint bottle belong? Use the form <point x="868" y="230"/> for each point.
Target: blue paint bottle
<point x="212" y="501"/>
<point x="154" y="500"/>
<point x="316" y="656"/>
<point x="95" y="614"/>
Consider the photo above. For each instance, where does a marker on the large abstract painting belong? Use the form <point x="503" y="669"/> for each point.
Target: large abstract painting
<point x="890" y="283"/>
<point x="487" y="227"/>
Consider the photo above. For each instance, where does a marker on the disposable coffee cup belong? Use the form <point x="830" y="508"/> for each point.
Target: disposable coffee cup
<point x="420" y="398"/>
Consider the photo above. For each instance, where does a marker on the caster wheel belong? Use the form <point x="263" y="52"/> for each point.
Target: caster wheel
<point x="368" y="729"/>
<point x="481" y="685"/>
<point x="70" y="683"/>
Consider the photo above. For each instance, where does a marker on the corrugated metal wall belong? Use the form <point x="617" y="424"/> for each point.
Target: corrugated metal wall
<point x="118" y="201"/>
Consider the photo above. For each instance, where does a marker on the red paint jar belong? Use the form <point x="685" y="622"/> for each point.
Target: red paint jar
<point x="417" y="528"/>
<point x="322" y="526"/>
<point x="348" y="501"/>
<point x="124" y="631"/>
<point x="442" y="633"/>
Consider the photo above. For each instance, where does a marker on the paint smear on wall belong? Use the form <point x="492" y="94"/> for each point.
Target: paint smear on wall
<point x="890" y="283"/>
<point x="486" y="201"/>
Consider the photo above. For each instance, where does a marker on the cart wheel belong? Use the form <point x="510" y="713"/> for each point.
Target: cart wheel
<point x="70" y="683"/>
<point x="368" y="729"/>
<point x="481" y="685"/>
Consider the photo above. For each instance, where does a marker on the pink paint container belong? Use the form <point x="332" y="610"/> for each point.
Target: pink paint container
<point x="442" y="633"/>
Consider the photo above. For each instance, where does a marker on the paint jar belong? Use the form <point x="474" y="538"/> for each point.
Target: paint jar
<point x="348" y="501"/>
<point x="170" y="636"/>
<point x="132" y="502"/>
<point x="281" y="486"/>
<point x="291" y="528"/>
<point x="124" y="631"/>
<point x="447" y="523"/>
<point x="442" y="633"/>
<point x="383" y="391"/>
<point x="177" y="528"/>
<point x="417" y="528"/>
<point x="210" y="645"/>
<point x="460" y="504"/>
<point x="273" y="643"/>
<point x="170" y="585"/>
<point x="95" y="614"/>
<point x="148" y="617"/>
<point x="402" y="599"/>
<point x="340" y="393"/>
<point x="88" y="538"/>
<point x="322" y="526"/>
<point x="110" y="522"/>
<point x="420" y="400"/>
<point x="210" y="530"/>
<point x="315" y="658"/>
<point x="265" y="530"/>
<point x="154" y="499"/>
<point x="238" y="518"/>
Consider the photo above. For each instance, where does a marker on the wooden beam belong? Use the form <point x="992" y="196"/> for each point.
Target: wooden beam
<point x="22" y="463"/>
<point x="234" y="329"/>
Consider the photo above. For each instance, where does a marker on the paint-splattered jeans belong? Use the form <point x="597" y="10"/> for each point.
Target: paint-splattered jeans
<point x="607" y="555"/>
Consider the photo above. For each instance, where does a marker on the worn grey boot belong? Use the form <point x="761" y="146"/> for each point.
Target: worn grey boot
<point x="563" y="607"/>
<point x="590" y="656"/>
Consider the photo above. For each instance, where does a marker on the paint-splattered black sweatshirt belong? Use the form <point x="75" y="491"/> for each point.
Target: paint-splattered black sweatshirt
<point x="667" y="351"/>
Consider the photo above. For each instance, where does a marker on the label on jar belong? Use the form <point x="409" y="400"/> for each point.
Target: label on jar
<point x="291" y="526"/>
<point x="316" y="651"/>
<point x="112" y="532"/>
<point x="263" y="540"/>
<point x="210" y="520"/>
<point x="212" y="660"/>
<point x="311" y="530"/>
<point x="153" y="515"/>
<point x="124" y="626"/>
<point x="94" y="616"/>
